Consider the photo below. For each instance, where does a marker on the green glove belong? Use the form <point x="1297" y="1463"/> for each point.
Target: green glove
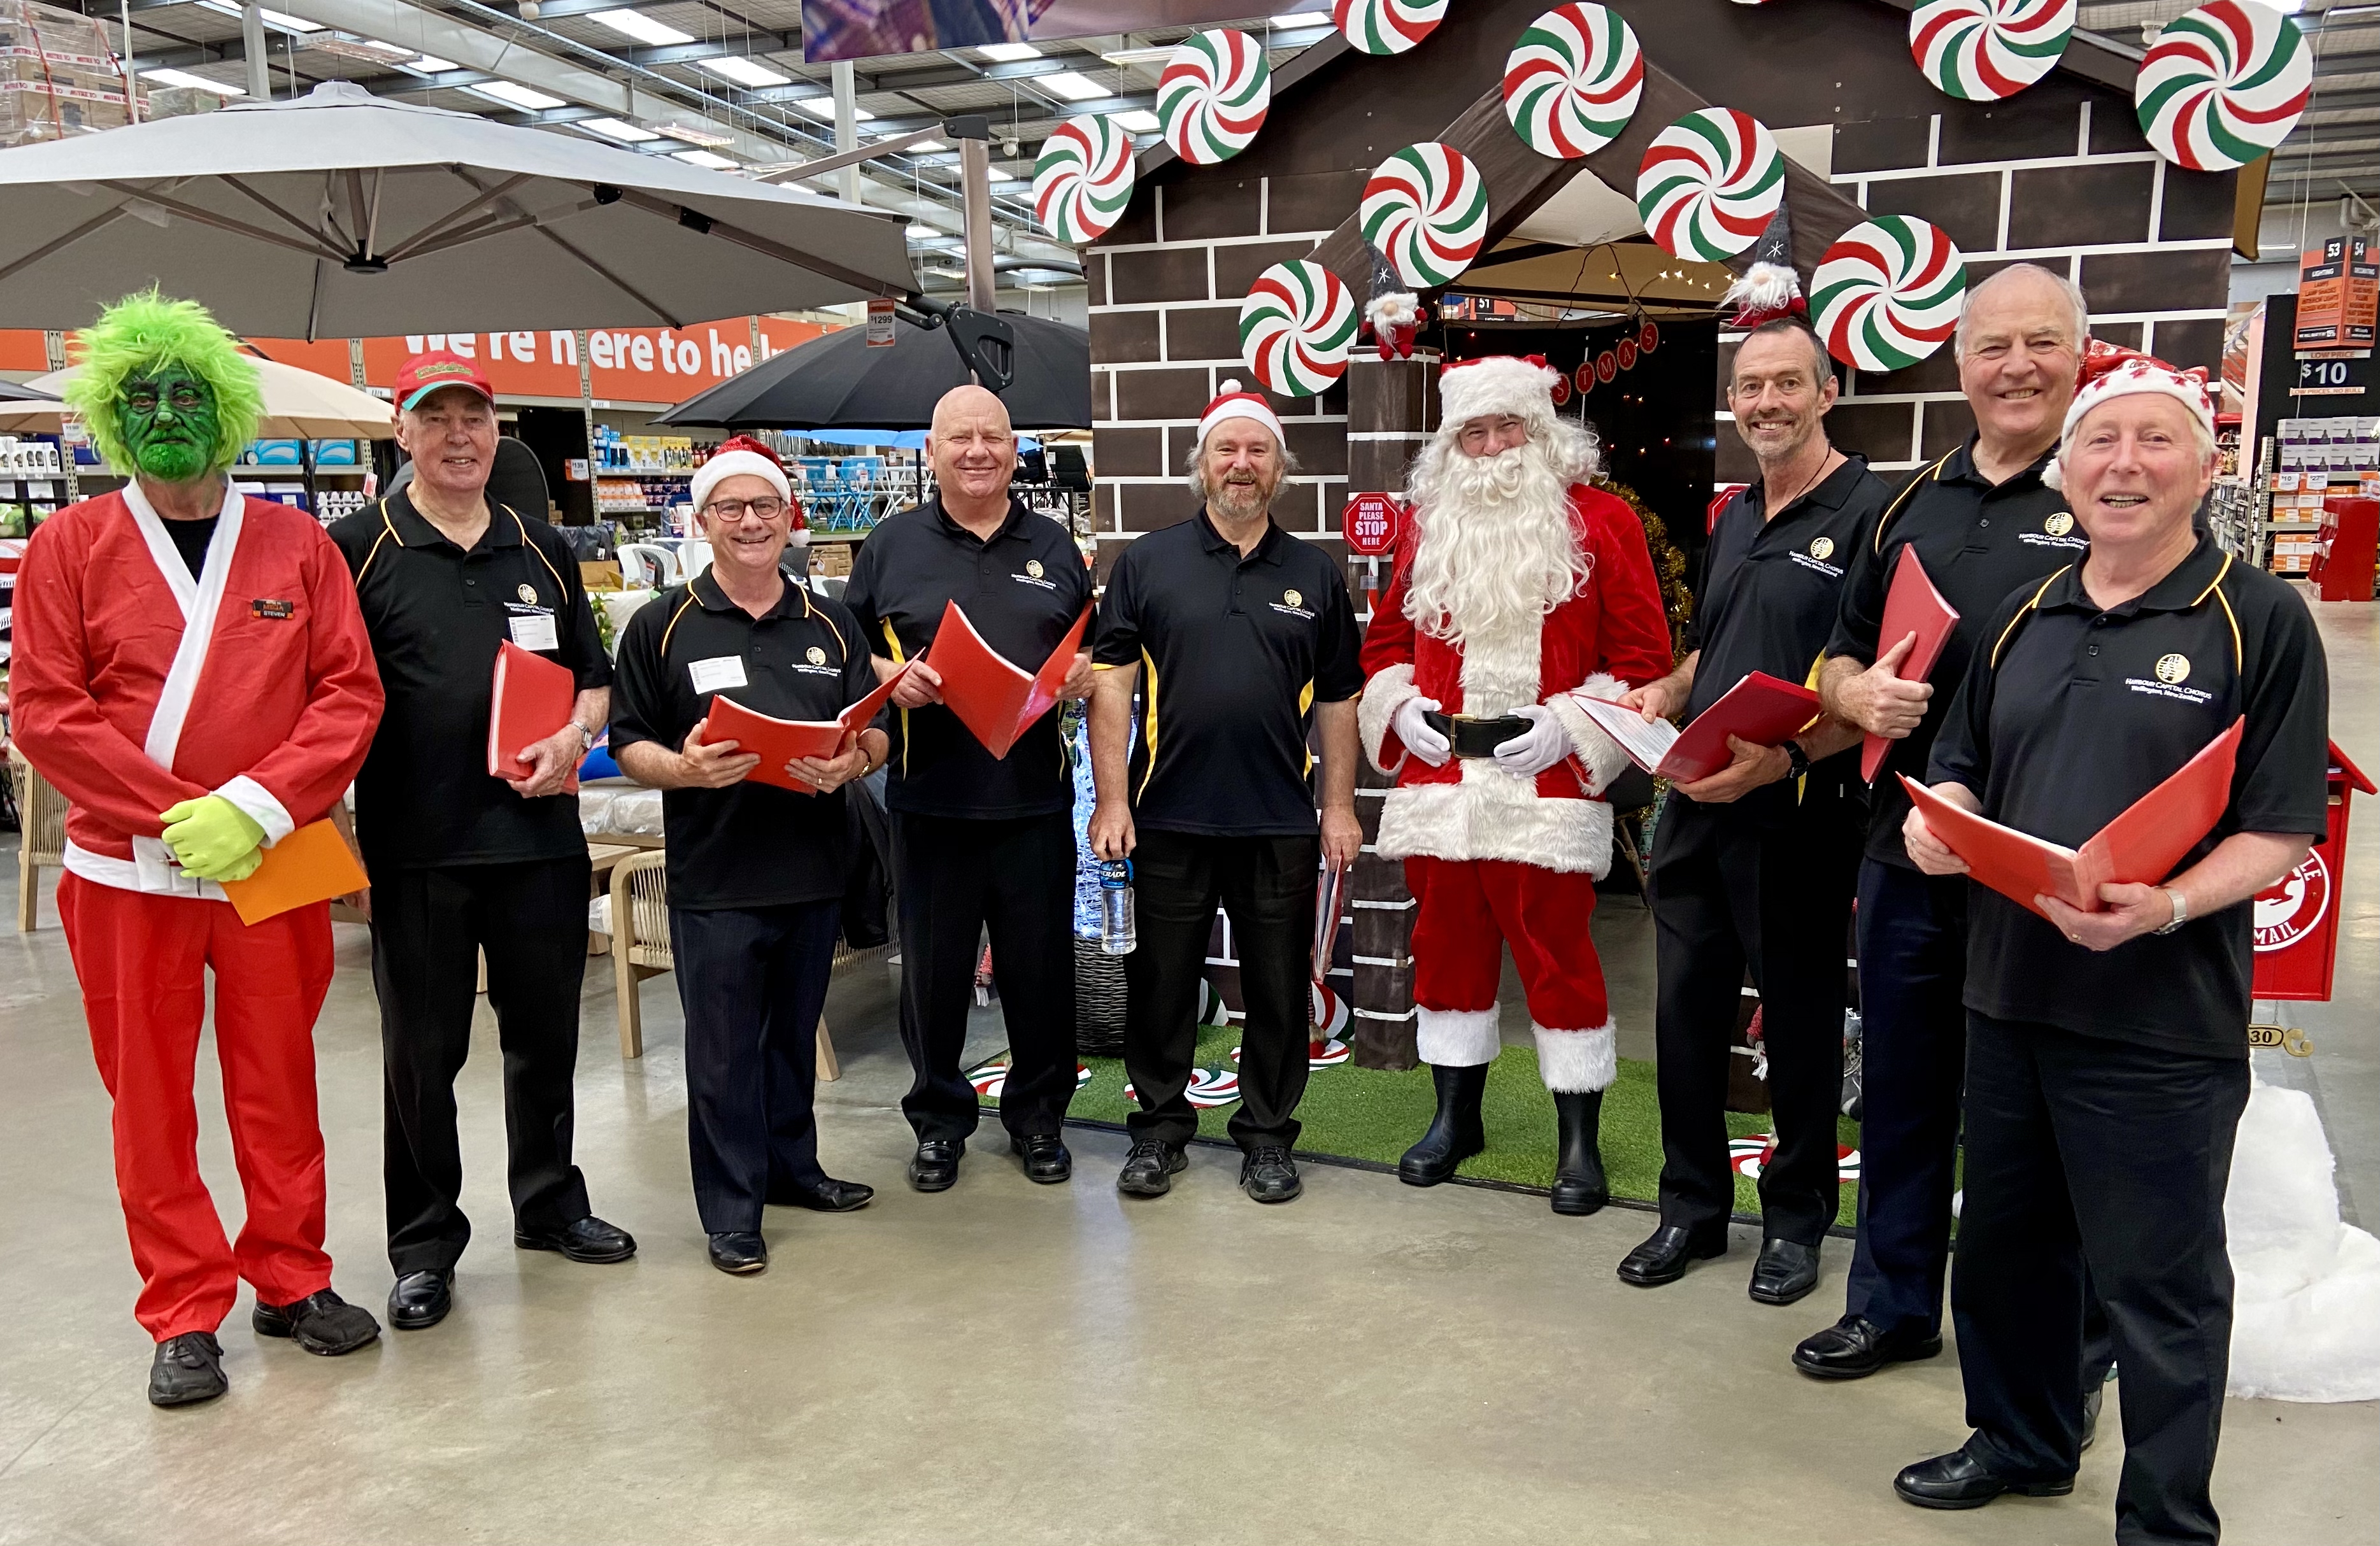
<point x="213" y="838"/>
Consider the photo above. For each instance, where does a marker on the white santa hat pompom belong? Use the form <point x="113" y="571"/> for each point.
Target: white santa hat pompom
<point x="1472" y="389"/>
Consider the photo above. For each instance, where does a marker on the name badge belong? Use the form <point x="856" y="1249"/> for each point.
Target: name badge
<point x="535" y="631"/>
<point x="717" y="673"/>
<point x="272" y="611"/>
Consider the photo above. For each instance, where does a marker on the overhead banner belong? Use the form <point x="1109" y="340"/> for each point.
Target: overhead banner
<point x="835" y="29"/>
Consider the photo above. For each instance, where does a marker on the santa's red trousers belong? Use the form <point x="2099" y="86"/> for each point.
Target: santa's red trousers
<point x="1471" y="909"/>
<point x="142" y="962"/>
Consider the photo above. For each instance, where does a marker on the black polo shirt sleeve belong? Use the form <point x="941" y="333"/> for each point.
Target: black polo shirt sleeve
<point x="582" y="641"/>
<point x="1692" y="639"/>
<point x="1860" y="616"/>
<point x="1963" y="748"/>
<point x="2281" y="782"/>
<point x="1339" y="671"/>
<point x="640" y="700"/>
<point x="859" y="593"/>
<point x="1117" y="640"/>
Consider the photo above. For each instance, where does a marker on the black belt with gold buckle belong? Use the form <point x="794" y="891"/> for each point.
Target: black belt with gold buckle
<point x="1475" y="737"/>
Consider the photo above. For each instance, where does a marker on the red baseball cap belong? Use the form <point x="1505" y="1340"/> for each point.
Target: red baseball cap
<point x="424" y="374"/>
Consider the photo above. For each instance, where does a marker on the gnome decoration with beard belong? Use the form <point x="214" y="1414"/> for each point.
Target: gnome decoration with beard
<point x="1520" y="587"/>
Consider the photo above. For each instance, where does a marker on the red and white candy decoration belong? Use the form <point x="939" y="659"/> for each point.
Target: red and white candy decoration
<point x="1297" y="327"/>
<point x="2223" y="85"/>
<point x="1082" y="179"/>
<point x="1572" y="82"/>
<point x="1886" y="294"/>
<point x="1984" y="50"/>
<point x="1213" y="95"/>
<point x="1386" y="25"/>
<point x="1426" y="211"/>
<point x="1708" y="184"/>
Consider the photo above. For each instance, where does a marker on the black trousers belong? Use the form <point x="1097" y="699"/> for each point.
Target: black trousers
<point x="1729" y="893"/>
<point x="2102" y="1154"/>
<point x="1266" y="887"/>
<point x="752" y="982"/>
<point x="429" y="928"/>
<point x="954" y="877"/>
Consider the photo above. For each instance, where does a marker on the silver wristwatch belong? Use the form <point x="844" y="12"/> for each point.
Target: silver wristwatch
<point x="2180" y="910"/>
<point x="585" y="737"/>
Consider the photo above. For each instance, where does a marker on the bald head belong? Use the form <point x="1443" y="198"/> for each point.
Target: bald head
<point x="970" y="405"/>
<point x="973" y="452"/>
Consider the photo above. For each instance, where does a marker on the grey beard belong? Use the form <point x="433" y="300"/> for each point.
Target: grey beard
<point x="1239" y="501"/>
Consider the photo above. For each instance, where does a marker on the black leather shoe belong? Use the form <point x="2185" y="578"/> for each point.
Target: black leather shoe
<point x="186" y="1371"/>
<point x="1664" y="1256"/>
<point x="420" y="1299"/>
<point x="586" y="1239"/>
<point x="740" y="1252"/>
<point x="1959" y="1480"/>
<point x="1150" y="1170"/>
<point x="1579" y="1186"/>
<point x="830" y="1196"/>
<point x="1045" y="1159"/>
<point x="1856" y="1347"/>
<point x="2092" y="1399"/>
<point x="1268" y="1175"/>
<point x="1787" y="1271"/>
<point x="1454" y="1134"/>
<point x="320" y="1322"/>
<point x="935" y="1167"/>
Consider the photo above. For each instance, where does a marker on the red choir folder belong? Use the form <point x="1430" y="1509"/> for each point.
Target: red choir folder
<point x="1912" y="606"/>
<point x="534" y="697"/>
<point x="779" y="742"/>
<point x="992" y="697"/>
<point x="2141" y="846"/>
<point x="1761" y="709"/>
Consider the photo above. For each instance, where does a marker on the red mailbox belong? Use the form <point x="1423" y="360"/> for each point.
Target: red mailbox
<point x="2297" y="921"/>
<point x="2343" y="560"/>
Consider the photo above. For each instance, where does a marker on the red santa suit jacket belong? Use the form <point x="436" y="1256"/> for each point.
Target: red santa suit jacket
<point x="1611" y="636"/>
<point x="135" y="687"/>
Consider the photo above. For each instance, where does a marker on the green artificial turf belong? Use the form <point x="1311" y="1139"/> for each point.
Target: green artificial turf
<point x="1367" y="1114"/>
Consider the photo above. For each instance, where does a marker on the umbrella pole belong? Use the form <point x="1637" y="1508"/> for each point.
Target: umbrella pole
<point x="306" y="465"/>
<point x="975" y="181"/>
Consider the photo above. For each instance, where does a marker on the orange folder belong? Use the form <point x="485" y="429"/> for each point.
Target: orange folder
<point x="533" y="698"/>
<point x="1911" y="606"/>
<point x="2142" y="846"/>
<point x="779" y="742"/>
<point x="992" y="697"/>
<point x="1761" y="709"/>
<point x="311" y="864"/>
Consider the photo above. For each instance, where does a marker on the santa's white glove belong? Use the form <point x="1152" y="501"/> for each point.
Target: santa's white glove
<point x="1414" y="732"/>
<point x="1542" y="745"/>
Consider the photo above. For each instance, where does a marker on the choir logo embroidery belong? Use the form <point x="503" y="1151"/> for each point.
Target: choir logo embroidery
<point x="1822" y="547"/>
<point x="2060" y="523"/>
<point x="1291" y="597"/>
<point x="2173" y="670"/>
<point x="2289" y="910"/>
<point x="527" y="593"/>
<point x="815" y="656"/>
<point x="1033" y="567"/>
<point x="1294" y="603"/>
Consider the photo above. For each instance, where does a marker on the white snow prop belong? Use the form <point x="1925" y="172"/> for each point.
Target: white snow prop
<point x="2305" y="1320"/>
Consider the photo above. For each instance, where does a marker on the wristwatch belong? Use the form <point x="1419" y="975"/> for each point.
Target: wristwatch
<point x="586" y="736"/>
<point x="1797" y="759"/>
<point x="2180" y="910"/>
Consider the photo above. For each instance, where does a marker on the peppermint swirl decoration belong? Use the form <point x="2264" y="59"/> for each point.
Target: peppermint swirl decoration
<point x="1886" y="294"/>
<point x="1426" y="211"/>
<point x="1572" y="82"/>
<point x="1083" y="180"/>
<point x="2223" y="85"/>
<point x="1386" y="26"/>
<point x="1212" y="97"/>
<point x="1296" y="328"/>
<point x="1984" y="50"/>
<point x="1708" y="184"/>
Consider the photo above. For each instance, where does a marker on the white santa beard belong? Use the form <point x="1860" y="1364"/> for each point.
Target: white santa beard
<point x="1496" y="553"/>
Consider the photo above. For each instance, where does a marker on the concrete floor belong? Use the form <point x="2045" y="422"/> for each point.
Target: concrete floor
<point x="1012" y="1363"/>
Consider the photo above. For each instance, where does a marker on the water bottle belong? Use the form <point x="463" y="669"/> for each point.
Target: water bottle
<point x="1118" y="934"/>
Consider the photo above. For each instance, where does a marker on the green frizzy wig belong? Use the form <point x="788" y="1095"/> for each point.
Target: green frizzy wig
<point x="145" y="330"/>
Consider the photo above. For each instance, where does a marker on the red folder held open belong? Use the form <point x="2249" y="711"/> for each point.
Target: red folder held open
<point x="1912" y="606"/>
<point x="779" y="742"/>
<point x="1761" y="709"/>
<point x="534" y="697"/>
<point x="992" y="697"/>
<point x="2142" y="846"/>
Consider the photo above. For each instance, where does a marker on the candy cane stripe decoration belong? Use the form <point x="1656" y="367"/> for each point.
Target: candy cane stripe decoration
<point x="1386" y="26"/>
<point x="1886" y="294"/>
<point x="1426" y="211"/>
<point x="1984" y="50"/>
<point x="2223" y="85"/>
<point x="1083" y="180"/>
<point x="1572" y="82"/>
<point x="1708" y="184"/>
<point x="1296" y="327"/>
<point x="1213" y="95"/>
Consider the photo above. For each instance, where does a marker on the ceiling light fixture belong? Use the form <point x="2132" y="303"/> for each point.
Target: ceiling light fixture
<point x="1140" y="120"/>
<point x="1008" y="53"/>
<point x="616" y="129"/>
<point x="512" y="93"/>
<point x="642" y="28"/>
<point x="823" y="107"/>
<point x="697" y="134"/>
<point x="1073" y="85"/>
<point x="196" y="82"/>
<point x="705" y="157"/>
<point x="430" y="64"/>
<point x="281" y="19"/>
<point x="743" y="72"/>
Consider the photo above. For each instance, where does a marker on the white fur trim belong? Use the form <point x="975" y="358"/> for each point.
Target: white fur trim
<point x="1232" y="400"/>
<point x="257" y="802"/>
<point x="1492" y="814"/>
<point x="1499" y="384"/>
<point x="1376" y="711"/>
<point x="737" y="464"/>
<point x="1500" y="672"/>
<point x="1578" y="1062"/>
<point x="1457" y="1038"/>
<point x="1601" y="757"/>
<point x="2133" y="378"/>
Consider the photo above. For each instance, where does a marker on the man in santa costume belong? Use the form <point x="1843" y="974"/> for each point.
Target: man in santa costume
<point x="191" y="670"/>
<point x="1520" y="585"/>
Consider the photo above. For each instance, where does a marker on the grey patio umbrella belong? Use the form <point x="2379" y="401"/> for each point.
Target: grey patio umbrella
<point x="341" y="215"/>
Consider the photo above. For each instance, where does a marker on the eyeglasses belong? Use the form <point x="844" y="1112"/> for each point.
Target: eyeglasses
<point x="733" y="510"/>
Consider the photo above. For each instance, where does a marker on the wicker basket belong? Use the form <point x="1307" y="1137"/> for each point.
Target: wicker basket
<point x="1099" y="1001"/>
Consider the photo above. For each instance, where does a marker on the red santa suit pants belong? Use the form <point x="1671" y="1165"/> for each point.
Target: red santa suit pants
<point x="142" y="962"/>
<point x="1469" y="910"/>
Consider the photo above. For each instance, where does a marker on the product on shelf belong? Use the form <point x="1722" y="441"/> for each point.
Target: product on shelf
<point x="58" y="77"/>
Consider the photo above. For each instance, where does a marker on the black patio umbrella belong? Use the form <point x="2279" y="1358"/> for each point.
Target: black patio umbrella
<point x="836" y="381"/>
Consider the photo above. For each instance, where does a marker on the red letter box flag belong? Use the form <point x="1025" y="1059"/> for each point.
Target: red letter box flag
<point x="2297" y="920"/>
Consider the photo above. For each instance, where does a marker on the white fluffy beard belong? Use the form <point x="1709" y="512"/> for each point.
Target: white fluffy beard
<point x="1495" y="550"/>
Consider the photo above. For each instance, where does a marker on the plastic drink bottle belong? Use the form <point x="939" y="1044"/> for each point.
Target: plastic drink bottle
<point x="1118" y="933"/>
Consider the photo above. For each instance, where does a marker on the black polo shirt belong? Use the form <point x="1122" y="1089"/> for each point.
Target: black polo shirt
<point x="1767" y="601"/>
<point x="1235" y="653"/>
<point x="1021" y="590"/>
<point x="1979" y="541"/>
<point x="748" y="845"/>
<point x="2068" y="714"/>
<point x="437" y="615"/>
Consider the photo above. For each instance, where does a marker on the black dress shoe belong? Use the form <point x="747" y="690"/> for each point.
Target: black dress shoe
<point x="1150" y="1170"/>
<point x="186" y="1371"/>
<point x="1268" y="1175"/>
<point x="1454" y="1134"/>
<point x="1856" y="1347"/>
<point x="935" y="1167"/>
<point x="320" y="1322"/>
<point x="1045" y="1159"/>
<point x="420" y="1299"/>
<point x="1579" y="1187"/>
<point x="1787" y="1271"/>
<point x="2092" y="1399"/>
<point x="1664" y="1256"/>
<point x="1959" y="1480"/>
<point x="740" y="1252"/>
<point x="586" y="1239"/>
<point x="829" y="1196"/>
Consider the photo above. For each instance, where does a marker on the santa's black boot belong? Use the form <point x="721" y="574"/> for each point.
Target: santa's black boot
<point x="1454" y="1133"/>
<point x="1579" y="1186"/>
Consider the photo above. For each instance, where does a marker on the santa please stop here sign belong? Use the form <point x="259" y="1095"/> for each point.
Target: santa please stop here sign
<point x="1372" y="524"/>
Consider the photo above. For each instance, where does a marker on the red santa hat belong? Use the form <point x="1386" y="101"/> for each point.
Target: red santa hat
<point x="1470" y="389"/>
<point x="1235" y="402"/>
<point x="742" y="456"/>
<point x="2109" y="371"/>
